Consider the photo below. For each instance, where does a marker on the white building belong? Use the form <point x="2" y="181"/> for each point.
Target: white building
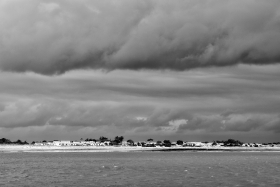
<point x="62" y="142"/>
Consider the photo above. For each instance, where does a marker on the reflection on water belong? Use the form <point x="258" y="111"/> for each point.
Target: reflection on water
<point x="141" y="169"/>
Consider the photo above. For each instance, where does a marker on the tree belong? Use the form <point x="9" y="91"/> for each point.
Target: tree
<point x="232" y="142"/>
<point x="89" y="139"/>
<point x="118" y="139"/>
<point x="180" y="142"/>
<point x="159" y="142"/>
<point x="167" y="143"/>
<point x="150" y="140"/>
<point x="5" y="141"/>
<point x="18" y="142"/>
<point x="121" y="138"/>
<point x="25" y="142"/>
<point x="103" y="139"/>
<point x="130" y="142"/>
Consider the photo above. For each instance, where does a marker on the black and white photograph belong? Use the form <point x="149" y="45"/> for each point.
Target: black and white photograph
<point x="140" y="93"/>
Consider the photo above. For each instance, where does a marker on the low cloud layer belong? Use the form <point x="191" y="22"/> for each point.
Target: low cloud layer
<point x="239" y="102"/>
<point x="52" y="37"/>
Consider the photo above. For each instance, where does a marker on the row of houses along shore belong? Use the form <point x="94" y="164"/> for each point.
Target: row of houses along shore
<point x="150" y="144"/>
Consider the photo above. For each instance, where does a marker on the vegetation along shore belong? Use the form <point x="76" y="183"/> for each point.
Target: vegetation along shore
<point x="104" y="144"/>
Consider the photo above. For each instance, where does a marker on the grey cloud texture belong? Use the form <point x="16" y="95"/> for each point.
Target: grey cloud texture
<point x="144" y="103"/>
<point x="51" y="37"/>
<point x="244" y="122"/>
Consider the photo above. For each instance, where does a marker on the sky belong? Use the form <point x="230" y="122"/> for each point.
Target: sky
<point x="184" y="69"/>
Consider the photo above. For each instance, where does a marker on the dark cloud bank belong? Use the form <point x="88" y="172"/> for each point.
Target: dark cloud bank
<point x="239" y="102"/>
<point x="51" y="37"/>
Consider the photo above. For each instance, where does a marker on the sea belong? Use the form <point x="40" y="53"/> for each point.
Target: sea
<point x="186" y="168"/>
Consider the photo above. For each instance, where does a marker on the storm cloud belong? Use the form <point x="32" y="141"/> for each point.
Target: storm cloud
<point x="238" y="102"/>
<point x="161" y="69"/>
<point x="52" y="37"/>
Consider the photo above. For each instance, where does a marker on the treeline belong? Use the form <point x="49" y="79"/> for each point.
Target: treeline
<point x="119" y="139"/>
<point x="232" y="142"/>
<point x="276" y="143"/>
<point x="7" y="141"/>
<point x="149" y="143"/>
<point x="229" y="142"/>
<point x="116" y="141"/>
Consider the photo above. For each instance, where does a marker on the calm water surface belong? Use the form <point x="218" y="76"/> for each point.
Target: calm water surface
<point x="140" y="169"/>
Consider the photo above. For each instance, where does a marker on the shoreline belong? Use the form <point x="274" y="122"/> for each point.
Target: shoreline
<point x="30" y="148"/>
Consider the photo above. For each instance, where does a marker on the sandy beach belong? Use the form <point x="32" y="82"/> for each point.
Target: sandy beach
<point x="31" y="148"/>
